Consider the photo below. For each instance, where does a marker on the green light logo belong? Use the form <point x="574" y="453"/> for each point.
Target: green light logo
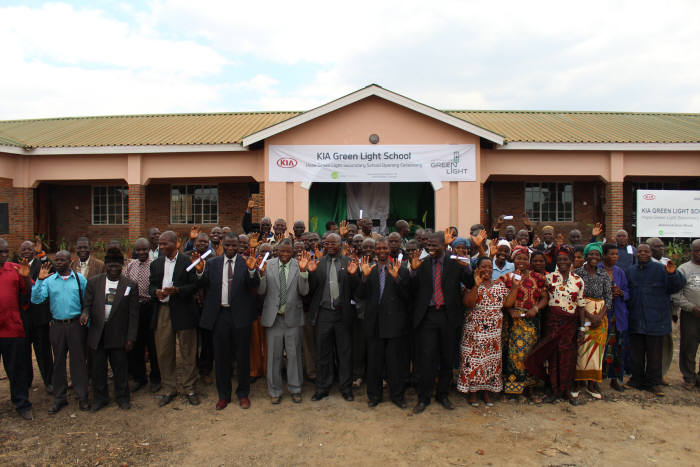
<point x="661" y="232"/>
<point x="334" y="175"/>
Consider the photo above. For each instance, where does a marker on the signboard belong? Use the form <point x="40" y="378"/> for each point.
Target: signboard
<point x="668" y="213"/>
<point x="4" y="219"/>
<point x="373" y="163"/>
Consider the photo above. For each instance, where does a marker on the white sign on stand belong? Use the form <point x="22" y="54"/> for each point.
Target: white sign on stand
<point x="668" y="213"/>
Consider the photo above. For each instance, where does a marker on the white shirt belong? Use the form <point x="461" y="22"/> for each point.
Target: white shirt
<point x="84" y="266"/>
<point x="224" y="278"/>
<point x="153" y="254"/>
<point x="110" y="293"/>
<point x="168" y="275"/>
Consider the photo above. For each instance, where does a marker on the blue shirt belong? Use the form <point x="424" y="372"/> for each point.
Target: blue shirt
<point x="625" y="259"/>
<point x="650" y="298"/>
<point x="508" y="267"/>
<point x="62" y="292"/>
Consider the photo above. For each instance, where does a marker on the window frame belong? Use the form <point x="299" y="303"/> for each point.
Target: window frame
<point x="558" y="193"/>
<point x="190" y="191"/>
<point x="124" y="207"/>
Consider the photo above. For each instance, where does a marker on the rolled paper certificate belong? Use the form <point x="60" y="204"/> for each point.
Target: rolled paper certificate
<point x="189" y="268"/>
<point x="360" y="213"/>
<point x="400" y="257"/>
<point x="459" y="258"/>
<point x="517" y="277"/>
<point x="262" y="263"/>
<point x="587" y="324"/>
<point x="522" y="315"/>
<point x="665" y="261"/>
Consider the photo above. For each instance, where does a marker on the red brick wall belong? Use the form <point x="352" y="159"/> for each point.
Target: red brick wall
<point x="614" y="214"/>
<point x="509" y="199"/>
<point x="20" y="206"/>
<point x="137" y="211"/>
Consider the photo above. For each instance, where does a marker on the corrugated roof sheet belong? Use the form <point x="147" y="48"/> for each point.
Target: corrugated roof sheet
<point x="223" y="128"/>
<point x="587" y="127"/>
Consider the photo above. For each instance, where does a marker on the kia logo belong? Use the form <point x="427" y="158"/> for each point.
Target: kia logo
<point x="646" y="196"/>
<point x="286" y="162"/>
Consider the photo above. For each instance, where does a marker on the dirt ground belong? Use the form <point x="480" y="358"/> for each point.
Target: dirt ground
<point x="625" y="429"/>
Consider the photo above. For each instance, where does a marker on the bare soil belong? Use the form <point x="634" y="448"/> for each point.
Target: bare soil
<point x="629" y="428"/>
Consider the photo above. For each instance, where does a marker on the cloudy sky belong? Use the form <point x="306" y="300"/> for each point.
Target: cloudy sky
<point x="103" y="57"/>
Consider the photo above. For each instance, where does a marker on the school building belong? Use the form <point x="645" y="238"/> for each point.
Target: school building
<point x="114" y="177"/>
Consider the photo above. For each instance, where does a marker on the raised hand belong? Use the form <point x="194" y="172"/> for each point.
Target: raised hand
<point x="526" y="221"/>
<point x="392" y="268"/>
<point x="313" y="264"/>
<point x="178" y="244"/>
<point x="44" y="272"/>
<point x="318" y="254"/>
<point x="366" y="267"/>
<point x="343" y="229"/>
<point x="559" y="239"/>
<point x="303" y="260"/>
<point x="200" y="266"/>
<point x="415" y="260"/>
<point x="38" y="247"/>
<point x="449" y="236"/>
<point x="352" y="266"/>
<point x="499" y="223"/>
<point x="254" y="239"/>
<point x="597" y="229"/>
<point x="194" y="232"/>
<point x="23" y="268"/>
<point x="670" y="267"/>
<point x="251" y="260"/>
<point x="251" y="204"/>
<point x="536" y="241"/>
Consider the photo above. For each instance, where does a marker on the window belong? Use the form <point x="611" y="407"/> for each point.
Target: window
<point x="110" y="205"/>
<point x="194" y="204"/>
<point x="549" y="202"/>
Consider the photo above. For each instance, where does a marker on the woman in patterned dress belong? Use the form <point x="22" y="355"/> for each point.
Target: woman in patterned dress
<point x="554" y="357"/>
<point x="524" y="330"/>
<point x="481" y="354"/>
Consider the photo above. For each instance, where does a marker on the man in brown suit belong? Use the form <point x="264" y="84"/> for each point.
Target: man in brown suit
<point x="86" y="264"/>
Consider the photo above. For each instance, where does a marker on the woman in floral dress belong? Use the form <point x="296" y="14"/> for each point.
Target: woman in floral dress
<point x="481" y="354"/>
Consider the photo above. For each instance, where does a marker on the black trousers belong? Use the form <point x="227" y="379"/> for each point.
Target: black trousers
<point x="230" y="340"/>
<point x="359" y="346"/>
<point x="69" y="337"/>
<point x="386" y="355"/>
<point x="205" y="356"/>
<point x="435" y="354"/>
<point x="690" y="339"/>
<point x="332" y="334"/>
<point x="646" y="354"/>
<point x="120" y="372"/>
<point x="12" y="352"/>
<point x="38" y="337"/>
<point x="145" y="339"/>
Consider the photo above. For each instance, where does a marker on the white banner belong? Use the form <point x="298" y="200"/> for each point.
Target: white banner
<point x="668" y="213"/>
<point x="373" y="163"/>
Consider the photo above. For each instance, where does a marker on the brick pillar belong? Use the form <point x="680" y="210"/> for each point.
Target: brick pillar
<point x="20" y="207"/>
<point x="614" y="212"/>
<point x="259" y="209"/>
<point x="483" y="202"/>
<point x="137" y="212"/>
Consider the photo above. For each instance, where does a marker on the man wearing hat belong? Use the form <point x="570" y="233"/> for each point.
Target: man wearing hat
<point x="111" y="307"/>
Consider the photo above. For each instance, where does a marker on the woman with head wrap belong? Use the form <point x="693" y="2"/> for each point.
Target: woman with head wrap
<point x="481" y="356"/>
<point x="617" y="345"/>
<point x="598" y="299"/>
<point x="522" y="337"/>
<point x="501" y="265"/>
<point x="558" y="347"/>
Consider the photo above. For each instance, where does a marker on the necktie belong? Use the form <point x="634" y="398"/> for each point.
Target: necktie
<point x="382" y="280"/>
<point x="333" y="281"/>
<point x="283" y="287"/>
<point x="438" y="299"/>
<point x="230" y="279"/>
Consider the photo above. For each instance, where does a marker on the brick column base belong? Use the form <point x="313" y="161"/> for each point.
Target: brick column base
<point x="137" y="212"/>
<point x="614" y="212"/>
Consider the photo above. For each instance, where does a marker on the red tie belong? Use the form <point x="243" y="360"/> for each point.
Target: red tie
<point x="438" y="299"/>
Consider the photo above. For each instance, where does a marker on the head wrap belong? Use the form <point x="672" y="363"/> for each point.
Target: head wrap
<point x="566" y="250"/>
<point x="460" y="241"/>
<point x="597" y="246"/>
<point x="503" y="242"/>
<point x="520" y="249"/>
<point x="548" y="227"/>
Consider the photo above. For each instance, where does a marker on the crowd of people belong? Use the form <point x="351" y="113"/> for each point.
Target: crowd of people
<point x="500" y="309"/>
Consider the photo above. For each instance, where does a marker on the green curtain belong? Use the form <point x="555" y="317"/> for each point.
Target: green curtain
<point x="412" y="201"/>
<point x="327" y="202"/>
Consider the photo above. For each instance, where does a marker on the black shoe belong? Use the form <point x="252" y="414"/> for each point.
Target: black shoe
<point x="318" y="396"/>
<point x="348" y="396"/>
<point x="57" y="406"/>
<point x="400" y="403"/>
<point x="137" y="385"/>
<point x="84" y="405"/>
<point x="193" y="398"/>
<point x="166" y="399"/>
<point x="98" y="405"/>
<point x="419" y="408"/>
<point x="372" y="403"/>
<point x="296" y="398"/>
<point x="27" y="414"/>
<point x="155" y="387"/>
<point x="125" y="405"/>
<point x="445" y="402"/>
<point x="49" y="389"/>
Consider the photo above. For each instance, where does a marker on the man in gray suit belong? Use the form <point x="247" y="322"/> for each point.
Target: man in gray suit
<point x="284" y="281"/>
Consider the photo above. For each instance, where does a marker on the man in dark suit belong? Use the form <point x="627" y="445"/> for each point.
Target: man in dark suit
<point x="229" y="311"/>
<point x="111" y="306"/>
<point x="385" y="288"/>
<point x="173" y="287"/>
<point x="437" y="283"/>
<point x="331" y="284"/>
<point x="36" y="322"/>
